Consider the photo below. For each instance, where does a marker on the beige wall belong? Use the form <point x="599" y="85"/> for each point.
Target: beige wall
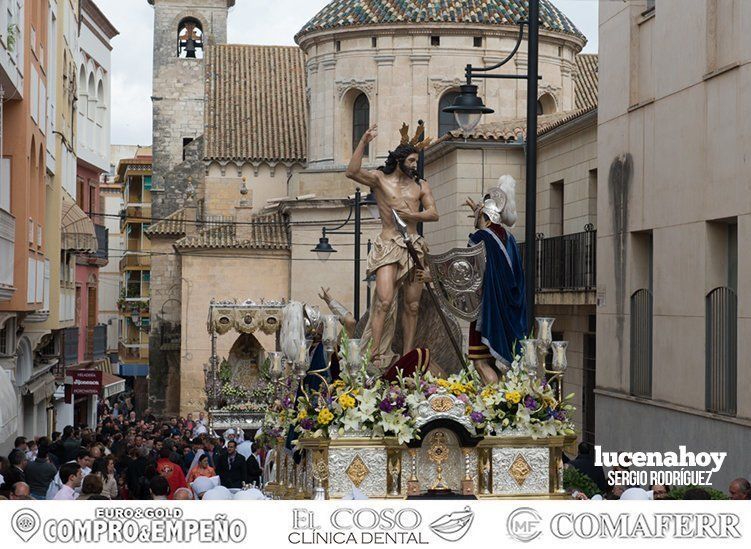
<point x="263" y="181"/>
<point x="684" y="117"/>
<point x="566" y="158"/>
<point x="255" y="275"/>
<point x="458" y="171"/>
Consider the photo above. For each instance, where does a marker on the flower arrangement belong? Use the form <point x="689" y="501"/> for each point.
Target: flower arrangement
<point x="358" y="404"/>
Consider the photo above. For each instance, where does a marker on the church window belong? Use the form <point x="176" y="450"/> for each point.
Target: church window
<point x="190" y="39"/>
<point x="360" y="119"/>
<point x="374" y="42"/>
<point x="446" y="120"/>
<point x="435" y="40"/>
<point x="477" y="41"/>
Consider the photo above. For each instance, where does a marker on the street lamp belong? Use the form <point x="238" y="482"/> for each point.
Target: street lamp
<point x="468" y="108"/>
<point x="324" y="249"/>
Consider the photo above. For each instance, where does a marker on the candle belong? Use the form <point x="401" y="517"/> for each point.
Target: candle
<point x="560" y="362"/>
<point x="330" y="329"/>
<point x="545" y="329"/>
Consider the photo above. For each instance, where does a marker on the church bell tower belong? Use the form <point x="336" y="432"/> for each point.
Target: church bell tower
<point x="183" y="29"/>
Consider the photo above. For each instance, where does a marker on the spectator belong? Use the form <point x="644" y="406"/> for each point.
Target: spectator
<point x="105" y="468"/>
<point x="15" y="473"/>
<point x="92" y="485"/>
<point x="740" y="489"/>
<point x="171" y="471"/>
<point x="585" y="464"/>
<point x="20" y="491"/>
<point x="696" y="493"/>
<point x="231" y="467"/>
<point x="72" y="476"/>
<point x="159" y="487"/>
<point x="202" y="469"/>
<point x="183" y="494"/>
<point x="660" y="491"/>
<point x="39" y="473"/>
<point x="20" y="444"/>
<point x="254" y="471"/>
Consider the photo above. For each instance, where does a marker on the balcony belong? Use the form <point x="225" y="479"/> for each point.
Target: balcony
<point x="135" y="213"/>
<point x="101" y="257"/>
<point x="134" y="260"/>
<point x="7" y="245"/>
<point x="70" y="346"/>
<point x="133" y="350"/>
<point x="566" y="265"/>
<point x="96" y="342"/>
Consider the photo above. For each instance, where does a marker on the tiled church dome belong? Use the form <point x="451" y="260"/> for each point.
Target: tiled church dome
<point x="356" y="13"/>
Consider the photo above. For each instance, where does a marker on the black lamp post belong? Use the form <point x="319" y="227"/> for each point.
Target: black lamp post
<point x="324" y="249"/>
<point x="468" y="108"/>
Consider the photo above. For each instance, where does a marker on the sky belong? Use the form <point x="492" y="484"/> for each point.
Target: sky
<point x="250" y="22"/>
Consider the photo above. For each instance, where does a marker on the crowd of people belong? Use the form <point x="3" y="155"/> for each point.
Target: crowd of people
<point x="127" y="457"/>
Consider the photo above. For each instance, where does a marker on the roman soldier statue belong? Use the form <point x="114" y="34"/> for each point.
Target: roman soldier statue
<point x="502" y="319"/>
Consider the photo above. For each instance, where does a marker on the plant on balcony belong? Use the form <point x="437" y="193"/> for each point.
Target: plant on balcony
<point x="12" y="30"/>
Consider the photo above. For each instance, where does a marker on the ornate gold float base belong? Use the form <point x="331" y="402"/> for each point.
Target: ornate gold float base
<point x="498" y="467"/>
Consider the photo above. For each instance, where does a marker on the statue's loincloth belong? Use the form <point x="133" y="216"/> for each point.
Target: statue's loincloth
<point x="393" y="250"/>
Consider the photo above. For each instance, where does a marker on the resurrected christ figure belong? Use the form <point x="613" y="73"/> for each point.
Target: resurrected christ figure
<point x="396" y="186"/>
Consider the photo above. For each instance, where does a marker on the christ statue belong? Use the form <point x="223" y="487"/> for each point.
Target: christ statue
<point x="398" y="188"/>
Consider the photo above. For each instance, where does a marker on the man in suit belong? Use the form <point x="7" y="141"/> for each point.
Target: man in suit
<point x="231" y="467"/>
<point x="585" y="464"/>
<point x="254" y="471"/>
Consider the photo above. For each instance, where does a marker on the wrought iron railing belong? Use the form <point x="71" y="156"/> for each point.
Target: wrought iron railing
<point x="721" y="351"/>
<point x="566" y="263"/>
<point x="641" y="343"/>
<point x="98" y="337"/>
<point x="70" y="347"/>
<point x="102" y="237"/>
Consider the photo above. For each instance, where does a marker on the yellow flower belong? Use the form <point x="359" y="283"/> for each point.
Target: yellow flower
<point x="487" y="392"/>
<point x="443" y="383"/>
<point x="325" y="416"/>
<point x="513" y="397"/>
<point x="338" y="384"/>
<point x="346" y="401"/>
<point x="302" y="414"/>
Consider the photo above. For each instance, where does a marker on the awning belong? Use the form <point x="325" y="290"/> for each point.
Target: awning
<point x="112" y="385"/>
<point x="77" y="228"/>
<point x="40" y="388"/>
<point x="8" y="407"/>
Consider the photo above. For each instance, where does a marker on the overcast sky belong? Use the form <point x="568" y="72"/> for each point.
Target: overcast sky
<point x="250" y="22"/>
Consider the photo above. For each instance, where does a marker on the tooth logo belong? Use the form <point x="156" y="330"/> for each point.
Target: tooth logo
<point x="454" y="526"/>
<point x="25" y="523"/>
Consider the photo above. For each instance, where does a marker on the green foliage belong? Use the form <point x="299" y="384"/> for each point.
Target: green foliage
<point x="679" y="491"/>
<point x="225" y="371"/>
<point x="573" y="479"/>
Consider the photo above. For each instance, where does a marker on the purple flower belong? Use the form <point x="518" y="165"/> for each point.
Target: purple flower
<point x="477" y="417"/>
<point x="530" y="403"/>
<point x="464" y="398"/>
<point x="560" y="415"/>
<point x="385" y="406"/>
<point x="432" y="389"/>
<point x="287" y="402"/>
<point x="307" y="424"/>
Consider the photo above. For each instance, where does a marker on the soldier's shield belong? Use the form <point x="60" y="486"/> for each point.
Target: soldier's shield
<point x="457" y="278"/>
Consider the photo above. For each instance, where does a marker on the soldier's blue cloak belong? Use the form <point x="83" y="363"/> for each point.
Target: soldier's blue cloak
<point x="503" y="314"/>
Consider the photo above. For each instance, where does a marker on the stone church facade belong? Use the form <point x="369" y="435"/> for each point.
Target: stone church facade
<point x="242" y="201"/>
